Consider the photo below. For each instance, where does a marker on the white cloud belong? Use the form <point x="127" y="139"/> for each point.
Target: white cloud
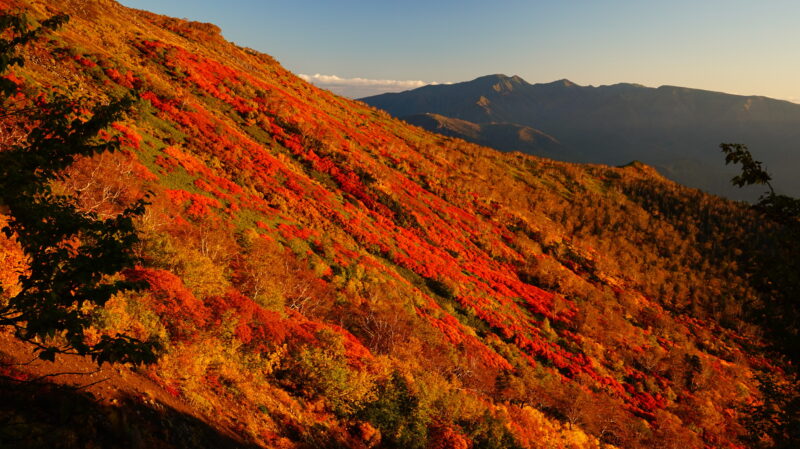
<point x="360" y="87"/>
<point x="334" y="80"/>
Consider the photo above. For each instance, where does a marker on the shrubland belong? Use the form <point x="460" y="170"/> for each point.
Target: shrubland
<point x="318" y="274"/>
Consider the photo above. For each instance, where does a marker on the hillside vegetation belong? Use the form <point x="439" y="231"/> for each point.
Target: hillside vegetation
<point x="319" y="274"/>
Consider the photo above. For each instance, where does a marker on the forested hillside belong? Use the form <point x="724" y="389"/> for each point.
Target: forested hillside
<point x="318" y="274"/>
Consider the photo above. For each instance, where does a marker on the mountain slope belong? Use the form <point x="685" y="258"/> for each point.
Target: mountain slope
<point x="674" y="128"/>
<point x="322" y="275"/>
<point x="503" y="136"/>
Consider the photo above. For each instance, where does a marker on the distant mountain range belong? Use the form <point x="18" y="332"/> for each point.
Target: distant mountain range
<point x="677" y="130"/>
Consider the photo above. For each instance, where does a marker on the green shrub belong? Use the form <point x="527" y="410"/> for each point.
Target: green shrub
<point x="397" y="414"/>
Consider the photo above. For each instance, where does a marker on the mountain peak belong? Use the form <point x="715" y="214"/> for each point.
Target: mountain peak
<point x="561" y="83"/>
<point x="500" y="83"/>
<point x="497" y="77"/>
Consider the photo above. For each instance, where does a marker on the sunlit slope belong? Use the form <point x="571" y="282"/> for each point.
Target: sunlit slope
<point x="320" y="272"/>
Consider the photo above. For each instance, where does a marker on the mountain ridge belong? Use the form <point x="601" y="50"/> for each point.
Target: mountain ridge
<point x="675" y="128"/>
<point x="504" y="136"/>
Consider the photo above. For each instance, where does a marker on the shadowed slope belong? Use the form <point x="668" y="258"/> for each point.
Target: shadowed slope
<point x="503" y="136"/>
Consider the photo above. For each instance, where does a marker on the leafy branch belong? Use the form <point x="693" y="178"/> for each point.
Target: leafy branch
<point x="782" y="208"/>
<point x="73" y="256"/>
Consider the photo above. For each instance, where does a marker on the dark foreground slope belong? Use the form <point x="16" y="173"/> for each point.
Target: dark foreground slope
<point x="322" y="275"/>
<point x="676" y="129"/>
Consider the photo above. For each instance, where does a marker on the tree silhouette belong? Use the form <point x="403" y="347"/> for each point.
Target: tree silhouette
<point x="73" y="257"/>
<point x="778" y="273"/>
<point x="779" y="207"/>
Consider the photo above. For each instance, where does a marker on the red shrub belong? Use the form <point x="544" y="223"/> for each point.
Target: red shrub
<point x="182" y="314"/>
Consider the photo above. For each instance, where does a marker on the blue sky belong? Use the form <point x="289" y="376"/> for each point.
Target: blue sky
<point x="735" y="46"/>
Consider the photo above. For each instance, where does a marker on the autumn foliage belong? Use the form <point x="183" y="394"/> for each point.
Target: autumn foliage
<point x="318" y="271"/>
